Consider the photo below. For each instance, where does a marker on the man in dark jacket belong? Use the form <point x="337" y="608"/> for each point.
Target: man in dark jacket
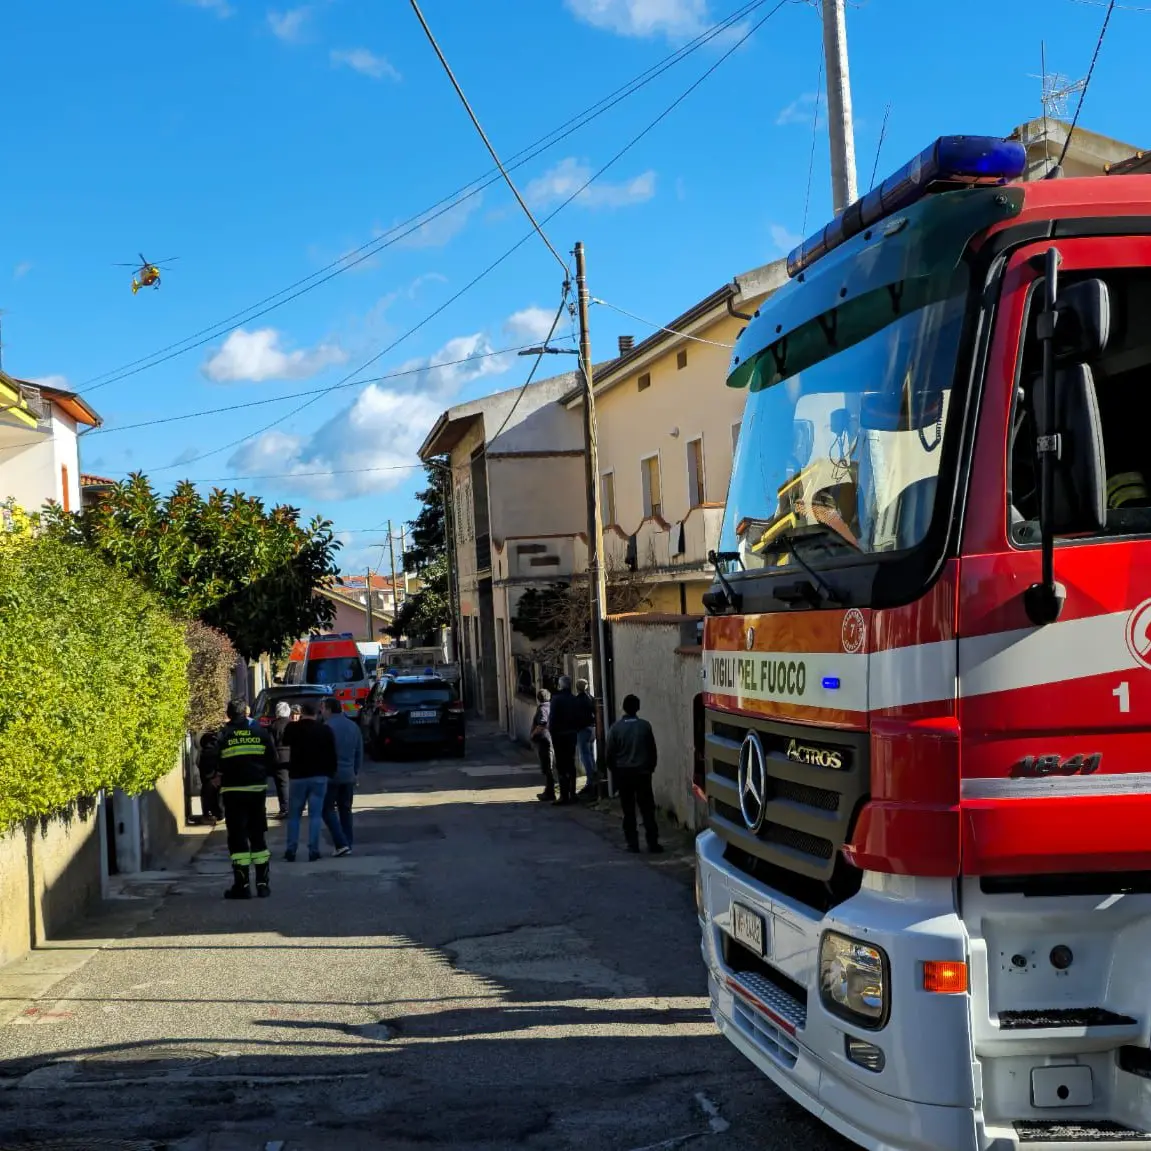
<point x="585" y="738"/>
<point x="246" y="758"/>
<point x="208" y="769"/>
<point x="311" y="751"/>
<point x="631" y="758"/>
<point x="542" y="741"/>
<point x="277" y="728"/>
<point x="564" y="724"/>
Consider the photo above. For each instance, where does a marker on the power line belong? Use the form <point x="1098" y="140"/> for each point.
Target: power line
<point x="420" y="219"/>
<point x="483" y="135"/>
<point x="1087" y="82"/>
<point x="310" y="392"/>
<point x="660" y="327"/>
<point x="518" y="244"/>
<point x="814" y="139"/>
<point x="879" y="146"/>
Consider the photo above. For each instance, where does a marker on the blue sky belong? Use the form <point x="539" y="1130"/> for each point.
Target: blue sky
<point x="261" y="143"/>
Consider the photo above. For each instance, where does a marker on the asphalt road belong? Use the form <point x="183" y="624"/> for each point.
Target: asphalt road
<point x="483" y="972"/>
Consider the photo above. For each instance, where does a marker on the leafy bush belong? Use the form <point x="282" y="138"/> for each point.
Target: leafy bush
<point x="209" y="674"/>
<point x="93" y="680"/>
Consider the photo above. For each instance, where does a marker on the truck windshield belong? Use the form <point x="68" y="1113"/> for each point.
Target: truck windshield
<point x="849" y="449"/>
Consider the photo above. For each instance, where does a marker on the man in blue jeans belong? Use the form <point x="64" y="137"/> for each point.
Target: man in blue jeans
<point x="311" y="749"/>
<point x="341" y="789"/>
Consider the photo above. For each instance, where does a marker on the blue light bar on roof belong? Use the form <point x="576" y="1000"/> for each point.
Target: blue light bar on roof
<point x="950" y="160"/>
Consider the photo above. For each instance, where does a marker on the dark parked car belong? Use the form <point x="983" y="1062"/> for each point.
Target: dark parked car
<point x="264" y="709"/>
<point x="410" y="711"/>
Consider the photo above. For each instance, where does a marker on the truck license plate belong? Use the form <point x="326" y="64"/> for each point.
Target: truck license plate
<point x="748" y="928"/>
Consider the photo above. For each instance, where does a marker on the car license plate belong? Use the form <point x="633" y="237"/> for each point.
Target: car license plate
<point x="748" y="928"/>
<point x="423" y="715"/>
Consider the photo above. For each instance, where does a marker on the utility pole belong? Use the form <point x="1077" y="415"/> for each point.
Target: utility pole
<point x="841" y="134"/>
<point x="404" y="552"/>
<point x="368" y="589"/>
<point x="597" y="578"/>
<point x="392" y="551"/>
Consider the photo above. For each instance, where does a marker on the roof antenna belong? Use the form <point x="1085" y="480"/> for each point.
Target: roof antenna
<point x="1086" y="82"/>
<point x="1055" y="95"/>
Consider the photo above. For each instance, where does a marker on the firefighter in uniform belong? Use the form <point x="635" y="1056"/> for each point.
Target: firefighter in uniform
<point x="247" y="758"/>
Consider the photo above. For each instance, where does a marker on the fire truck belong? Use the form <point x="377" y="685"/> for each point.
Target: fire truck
<point x="925" y="886"/>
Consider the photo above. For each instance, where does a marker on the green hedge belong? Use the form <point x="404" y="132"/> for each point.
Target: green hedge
<point x="93" y="680"/>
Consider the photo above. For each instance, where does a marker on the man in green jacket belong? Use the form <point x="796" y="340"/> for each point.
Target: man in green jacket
<point x="247" y="758"/>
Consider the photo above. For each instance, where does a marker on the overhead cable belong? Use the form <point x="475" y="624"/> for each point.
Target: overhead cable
<point x="414" y="223"/>
<point x="735" y="46"/>
<point x="660" y="327"/>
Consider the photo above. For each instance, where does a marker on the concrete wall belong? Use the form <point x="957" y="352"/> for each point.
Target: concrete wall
<point x="53" y="873"/>
<point x="49" y="875"/>
<point x="655" y="658"/>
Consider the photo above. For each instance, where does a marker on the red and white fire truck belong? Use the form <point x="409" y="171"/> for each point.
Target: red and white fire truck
<point x="925" y="890"/>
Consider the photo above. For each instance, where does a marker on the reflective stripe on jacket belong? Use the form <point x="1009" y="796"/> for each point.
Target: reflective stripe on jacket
<point x="246" y="758"/>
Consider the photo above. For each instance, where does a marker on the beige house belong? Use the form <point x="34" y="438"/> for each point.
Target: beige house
<point x="517" y="521"/>
<point x="1090" y="154"/>
<point x="667" y="429"/>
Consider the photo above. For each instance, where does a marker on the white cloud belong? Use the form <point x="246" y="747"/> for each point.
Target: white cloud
<point x="529" y="325"/>
<point x="254" y="357"/>
<point x="784" y="239"/>
<point x="364" y="61"/>
<point x="186" y="456"/>
<point x="289" y="25"/>
<point x="221" y="7"/>
<point x="801" y="111"/>
<point x="22" y="269"/>
<point x="60" y="382"/>
<point x="563" y="180"/>
<point x="675" y="19"/>
<point x="444" y="228"/>
<point x="380" y="432"/>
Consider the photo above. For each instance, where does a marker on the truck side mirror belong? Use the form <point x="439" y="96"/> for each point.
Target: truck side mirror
<point x="1079" y="490"/>
<point x="1083" y="323"/>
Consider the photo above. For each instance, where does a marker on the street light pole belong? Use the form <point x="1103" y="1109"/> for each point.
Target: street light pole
<point x="597" y="579"/>
<point x="841" y="133"/>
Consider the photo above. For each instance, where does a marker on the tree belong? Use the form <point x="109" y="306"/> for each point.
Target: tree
<point x="428" y="538"/>
<point x="422" y="615"/>
<point x="250" y="572"/>
<point x="558" y="618"/>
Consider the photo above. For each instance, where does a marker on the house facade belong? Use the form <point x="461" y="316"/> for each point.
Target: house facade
<point x="516" y="521"/>
<point x="667" y="431"/>
<point x="40" y="428"/>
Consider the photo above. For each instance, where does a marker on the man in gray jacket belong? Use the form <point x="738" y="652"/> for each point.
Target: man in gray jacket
<point x="630" y="755"/>
<point x="342" y="786"/>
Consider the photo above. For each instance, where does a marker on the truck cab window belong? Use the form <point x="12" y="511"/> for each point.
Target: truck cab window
<point x="1122" y="377"/>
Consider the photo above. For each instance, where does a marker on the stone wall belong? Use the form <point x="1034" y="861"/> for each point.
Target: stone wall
<point x="656" y="658"/>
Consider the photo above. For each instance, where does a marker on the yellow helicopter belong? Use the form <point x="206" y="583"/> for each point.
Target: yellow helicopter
<point x="146" y="273"/>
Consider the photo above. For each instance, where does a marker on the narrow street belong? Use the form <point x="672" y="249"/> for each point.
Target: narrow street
<point x="483" y="972"/>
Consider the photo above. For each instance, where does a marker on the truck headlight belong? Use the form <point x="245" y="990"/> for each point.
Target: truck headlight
<point x="853" y="980"/>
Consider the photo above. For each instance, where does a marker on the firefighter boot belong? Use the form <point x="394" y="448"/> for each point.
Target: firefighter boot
<point x="263" y="886"/>
<point x="239" y="888"/>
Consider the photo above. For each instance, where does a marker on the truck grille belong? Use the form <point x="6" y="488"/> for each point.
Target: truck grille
<point x="816" y="780"/>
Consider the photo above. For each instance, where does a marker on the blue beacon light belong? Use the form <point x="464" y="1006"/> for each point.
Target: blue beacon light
<point x="950" y="160"/>
<point x="831" y="682"/>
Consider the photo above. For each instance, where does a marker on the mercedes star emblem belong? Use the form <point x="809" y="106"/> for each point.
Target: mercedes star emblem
<point x="752" y="782"/>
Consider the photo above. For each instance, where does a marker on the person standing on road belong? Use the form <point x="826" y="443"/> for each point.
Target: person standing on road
<point x="311" y="764"/>
<point x="630" y="756"/>
<point x="564" y="724"/>
<point x="246" y="759"/>
<point x="585" y="738"/>
<point x="342" y="788"/>
<point x="542" y="741"/>
<point x="280" y="775"/>
<point x="208" y="767"/>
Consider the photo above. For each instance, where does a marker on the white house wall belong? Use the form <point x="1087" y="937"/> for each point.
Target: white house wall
<point x="34" y="475"/>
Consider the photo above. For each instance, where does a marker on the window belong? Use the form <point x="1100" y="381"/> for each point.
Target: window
<point x="1121" y="376"/>
<point x="735" y="436"/>
<point x="644" y="382"/>
<point x="652" y="491"/>
<point x="525" y="677"/>
<point x="341" y="669"/>
<point x="846" y="453"/>
<point x="403" y="695"/>
<point x="695" y="491"/>
<point x="681" y="359"/>
<point x="607" y="498"/>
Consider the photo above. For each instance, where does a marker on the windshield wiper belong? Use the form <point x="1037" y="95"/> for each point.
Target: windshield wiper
<point x="728" y="597"/>
<point x="803" y="590"/>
